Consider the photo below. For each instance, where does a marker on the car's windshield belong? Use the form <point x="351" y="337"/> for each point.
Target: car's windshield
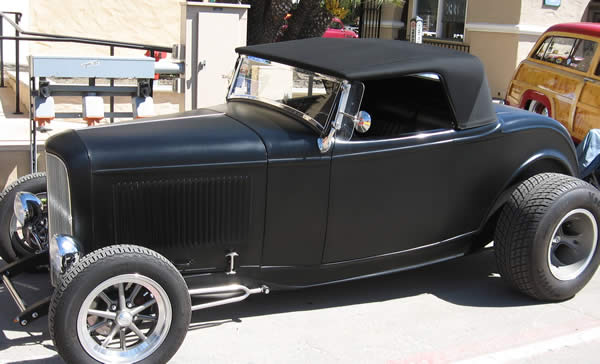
<point x="310" y="95"/>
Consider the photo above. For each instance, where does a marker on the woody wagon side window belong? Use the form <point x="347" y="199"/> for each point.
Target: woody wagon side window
<point x="573" y="53"/>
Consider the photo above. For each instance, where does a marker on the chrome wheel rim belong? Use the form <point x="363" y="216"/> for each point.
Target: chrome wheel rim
<point x="124" y="319"/>
<point x="538" y="108"/>
<point x="15" y="228"/>
<point x="573" y="244"/>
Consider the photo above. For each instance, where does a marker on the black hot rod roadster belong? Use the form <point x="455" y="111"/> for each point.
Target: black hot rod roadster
<point x="332" y="160"/>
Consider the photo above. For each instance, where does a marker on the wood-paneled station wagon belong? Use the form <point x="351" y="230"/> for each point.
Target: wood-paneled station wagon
<point x="332" y="160"/>
<point x="561" y="78"/>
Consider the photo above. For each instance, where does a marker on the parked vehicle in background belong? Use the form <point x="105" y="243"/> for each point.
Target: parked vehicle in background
<point x="337" y="29"/>
<point x="561" y="78"/>
<point x="353" y="28"/>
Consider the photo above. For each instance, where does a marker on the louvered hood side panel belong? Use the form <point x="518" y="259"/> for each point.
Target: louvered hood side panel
<point x="180" y="213"/>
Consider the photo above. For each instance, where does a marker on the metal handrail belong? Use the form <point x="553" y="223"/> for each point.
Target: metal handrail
<point x="47" y="37"/>
<point x="96" y="41"/>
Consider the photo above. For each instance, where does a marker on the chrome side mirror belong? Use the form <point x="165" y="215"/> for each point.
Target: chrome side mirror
<point x="26" y="206"/>
<point x="362" y="122"/>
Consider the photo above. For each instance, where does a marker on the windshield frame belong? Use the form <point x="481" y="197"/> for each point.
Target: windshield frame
<point x="313" y="123"/>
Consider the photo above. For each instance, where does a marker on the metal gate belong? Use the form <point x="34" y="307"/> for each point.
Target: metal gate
<point x="370" y="19"/>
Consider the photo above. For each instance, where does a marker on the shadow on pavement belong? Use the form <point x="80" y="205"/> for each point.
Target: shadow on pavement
<point x="467" y="281"/>
<point x="32" y="287"/>
<point x="52" y="360"/>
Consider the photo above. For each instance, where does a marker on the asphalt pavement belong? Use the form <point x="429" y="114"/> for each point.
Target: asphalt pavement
<point x="457" y="311"/>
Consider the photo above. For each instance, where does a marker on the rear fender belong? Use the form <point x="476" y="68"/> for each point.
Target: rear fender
<point x="543" y="162"/>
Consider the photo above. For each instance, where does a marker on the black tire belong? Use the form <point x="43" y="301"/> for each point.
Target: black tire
<point x="34" y="183"/>
<point x="527" y="228"/>
<point x="96" y="268"/>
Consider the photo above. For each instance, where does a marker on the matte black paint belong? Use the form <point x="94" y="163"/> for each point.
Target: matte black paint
<point x="365" y="208"/>
<point x="297" y="188"/>
<point x="461" y="73"/>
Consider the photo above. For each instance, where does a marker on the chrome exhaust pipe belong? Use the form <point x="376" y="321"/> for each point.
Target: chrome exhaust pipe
<point x="229" y="289"/>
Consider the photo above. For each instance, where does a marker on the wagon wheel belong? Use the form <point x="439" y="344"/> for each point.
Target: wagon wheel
<point x="538" y="108"/>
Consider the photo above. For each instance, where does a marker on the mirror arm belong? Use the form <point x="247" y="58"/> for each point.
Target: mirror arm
<point x="326" y="143"/>
<point x="353" y="117"/>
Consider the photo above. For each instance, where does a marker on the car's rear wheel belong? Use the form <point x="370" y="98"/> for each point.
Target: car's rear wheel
<point x="13" y="243"/>
<point x="122" y="304"/>
<point x="546" y="239"/>
<point x="538" y="108"/>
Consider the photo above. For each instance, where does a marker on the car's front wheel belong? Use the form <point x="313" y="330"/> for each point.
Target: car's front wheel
<point x="17" y="241"/>
<point x="546" y="239"/>
<point x="122" y="304"/>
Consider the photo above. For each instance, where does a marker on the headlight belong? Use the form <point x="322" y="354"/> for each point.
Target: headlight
<point x="65" y="251"/>
<point x="26" y="206"/>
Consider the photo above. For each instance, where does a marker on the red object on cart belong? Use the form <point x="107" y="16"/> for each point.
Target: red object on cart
<point x="43" y="121"/>
<point x="157" y="56"/>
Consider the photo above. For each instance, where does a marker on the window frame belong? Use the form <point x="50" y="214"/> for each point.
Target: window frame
<point x="439" y="22"/>
<point x="594" y="65"/>
<point x="418" y="134"/>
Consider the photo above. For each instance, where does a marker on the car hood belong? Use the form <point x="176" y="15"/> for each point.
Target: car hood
<point x="199" y="137"/>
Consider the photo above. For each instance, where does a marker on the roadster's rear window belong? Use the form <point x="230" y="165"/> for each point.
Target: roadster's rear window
<point x="308" y="94"/>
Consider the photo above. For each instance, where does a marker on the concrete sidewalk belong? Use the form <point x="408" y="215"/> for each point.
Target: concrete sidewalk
<point x="455" y="311"/>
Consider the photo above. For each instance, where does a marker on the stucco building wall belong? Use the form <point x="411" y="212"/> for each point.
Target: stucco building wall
<point x="135" y="21"/>
<point x="494" y="11"/>
<point x="21" y="6"/>
<point x="535" y="13"/>
<point x="498" y="54"/>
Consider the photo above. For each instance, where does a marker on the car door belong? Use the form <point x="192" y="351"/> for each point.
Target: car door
<point x="401" y="189"/>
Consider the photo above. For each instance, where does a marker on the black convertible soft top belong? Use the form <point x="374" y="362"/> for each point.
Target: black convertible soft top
<point x="369" y="59"/>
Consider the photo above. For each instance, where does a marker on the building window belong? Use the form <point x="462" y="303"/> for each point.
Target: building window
<point x="443" y="19"/>
<point x="593" y="11"/>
